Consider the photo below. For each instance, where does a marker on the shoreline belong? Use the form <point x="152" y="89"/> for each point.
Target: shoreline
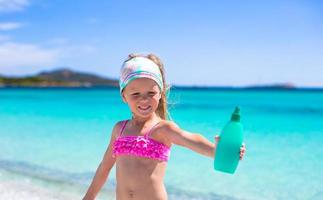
<point x="18" y="186"/>
<point x="15" y="190"/>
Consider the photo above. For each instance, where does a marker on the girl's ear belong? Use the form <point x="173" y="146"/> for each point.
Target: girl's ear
<point x="123" y="98"/>
<point x="160" y="94"/>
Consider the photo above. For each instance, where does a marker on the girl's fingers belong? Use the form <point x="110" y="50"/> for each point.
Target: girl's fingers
<point x="217" y="138"/>
<point x="242" y="150"/>
<point x="243" y="147"/>
<point x="241" y="156"/>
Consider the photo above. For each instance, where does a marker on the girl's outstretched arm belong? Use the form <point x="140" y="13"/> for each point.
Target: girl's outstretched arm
<point x="104" y="168"/>
<point x="193" y="141"/>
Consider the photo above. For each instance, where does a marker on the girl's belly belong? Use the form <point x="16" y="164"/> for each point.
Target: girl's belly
<point x="140" y="178"/>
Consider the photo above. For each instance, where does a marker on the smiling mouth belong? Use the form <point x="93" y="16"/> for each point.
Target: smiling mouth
<point x="144" y="108"/>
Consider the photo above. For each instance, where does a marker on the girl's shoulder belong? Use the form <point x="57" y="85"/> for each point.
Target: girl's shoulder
<point x="119" y="124"/>
<point x="117" y="127"/>
<point x="167" y="125"/>
<point x="169" y="131"/>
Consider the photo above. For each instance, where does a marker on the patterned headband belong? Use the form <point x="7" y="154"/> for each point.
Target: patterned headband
<point x="139" y="67"/>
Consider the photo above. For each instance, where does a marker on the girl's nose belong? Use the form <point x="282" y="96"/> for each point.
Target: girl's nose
<point x="144" y="98"/>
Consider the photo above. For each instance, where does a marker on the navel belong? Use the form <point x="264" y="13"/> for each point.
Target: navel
<point x="131" y="194"/>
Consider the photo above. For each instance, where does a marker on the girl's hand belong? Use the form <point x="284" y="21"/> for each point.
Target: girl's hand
<point x="217" y="138"/>
<point x="242" y="148"/>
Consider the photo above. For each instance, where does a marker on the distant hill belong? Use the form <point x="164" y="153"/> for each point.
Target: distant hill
<point x="273" y="86"/>
<point x="58" y="78"/>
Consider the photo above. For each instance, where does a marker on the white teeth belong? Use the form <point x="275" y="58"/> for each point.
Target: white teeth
<point x="144" y="108"/>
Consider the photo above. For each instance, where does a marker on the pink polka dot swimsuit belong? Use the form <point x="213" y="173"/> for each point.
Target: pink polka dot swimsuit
<point x="140" y="145"/>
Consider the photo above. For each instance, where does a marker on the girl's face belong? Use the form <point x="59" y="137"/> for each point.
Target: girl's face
<point x="142" y="96"/>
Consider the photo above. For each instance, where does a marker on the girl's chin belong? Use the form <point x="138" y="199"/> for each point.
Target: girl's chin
<point x="142" y="117"/>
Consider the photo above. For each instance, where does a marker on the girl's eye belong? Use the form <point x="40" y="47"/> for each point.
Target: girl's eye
<point x="135" y="94"/>
<point x="152" y="93"/>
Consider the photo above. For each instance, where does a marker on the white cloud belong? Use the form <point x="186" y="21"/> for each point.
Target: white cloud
<point x="13" y="5"/>
<point x="19" y="56"/>
<point x="9" y="26"/>
<point x="4" y="38"/>
<point x="22" y="58"/>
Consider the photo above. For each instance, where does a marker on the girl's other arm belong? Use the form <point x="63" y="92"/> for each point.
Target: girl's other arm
<point x="104" y="168"/>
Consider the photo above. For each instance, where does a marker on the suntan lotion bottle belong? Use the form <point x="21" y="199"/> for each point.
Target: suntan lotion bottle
<point x="227" y="152"/>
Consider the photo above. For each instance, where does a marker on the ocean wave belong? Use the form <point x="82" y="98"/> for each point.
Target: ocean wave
<point x="44" y="173"/>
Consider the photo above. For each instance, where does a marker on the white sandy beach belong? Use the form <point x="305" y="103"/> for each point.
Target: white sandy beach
<point x="11" y="190"/>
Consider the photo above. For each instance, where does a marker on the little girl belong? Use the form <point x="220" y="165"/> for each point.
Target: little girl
<point x="140" y="147"/>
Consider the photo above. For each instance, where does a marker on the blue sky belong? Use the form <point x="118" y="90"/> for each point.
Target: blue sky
<point x="222" y="43"/>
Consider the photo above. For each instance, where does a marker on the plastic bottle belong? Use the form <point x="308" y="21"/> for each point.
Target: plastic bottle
<point x="227" y="152"/>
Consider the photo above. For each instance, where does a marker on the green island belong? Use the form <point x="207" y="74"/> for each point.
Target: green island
<point x="58" y="78"/>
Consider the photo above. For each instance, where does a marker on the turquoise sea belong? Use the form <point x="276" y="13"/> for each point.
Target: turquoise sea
<point x="54" y="139"/>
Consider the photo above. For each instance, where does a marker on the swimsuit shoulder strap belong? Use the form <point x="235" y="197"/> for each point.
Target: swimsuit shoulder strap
<point x="151" y="129"/>
<point x="122" y="127"/>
